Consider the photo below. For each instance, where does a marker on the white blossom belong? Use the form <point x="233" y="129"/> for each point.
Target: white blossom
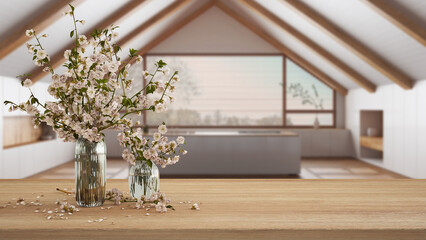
<point x="30" y="33"/>
<point x="162" y="129"/>
<point x="180" y="140"/>
<point x="159" y="108"/>
<point x="157" y="136"/>
<point x="27" y="83"/>
<point x="91" y="92"/>
<point x="82" y="39"/>
<point x="41" y="54"/>
<point x="67" y="54"/>
<point x="139" y="59"/>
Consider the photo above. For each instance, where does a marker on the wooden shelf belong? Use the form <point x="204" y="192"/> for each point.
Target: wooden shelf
<point x="26" y="143"/>
<point x="375" y="143"/>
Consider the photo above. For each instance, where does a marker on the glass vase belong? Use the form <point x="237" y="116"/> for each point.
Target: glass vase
<point x="143" y="179"/>
<point x="90" y="173"/>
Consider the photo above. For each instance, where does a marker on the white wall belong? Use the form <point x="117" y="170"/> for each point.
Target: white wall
<point x="404" y="125"/>
<point x="214" y="32"/>
<point x="27" y="160"/>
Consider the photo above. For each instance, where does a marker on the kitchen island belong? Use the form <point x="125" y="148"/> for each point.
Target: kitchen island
<point x="229" y="209"/>
<point x="244" y="153"/>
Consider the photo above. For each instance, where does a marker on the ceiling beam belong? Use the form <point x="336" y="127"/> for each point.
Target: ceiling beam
<point x="352" y="44"/>
<point x="119" y="15"/>
<point x="163" y="14"/>
<point x="397" y="18"/>
<point x="40" y="22"/>
<point x="176" y="27"/>
<point x="285" y="50"/>
<point x="339" y="65"/>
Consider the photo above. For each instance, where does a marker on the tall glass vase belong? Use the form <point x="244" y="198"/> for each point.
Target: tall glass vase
<point x="143" y="179"/>
<point x="90" y="173"/>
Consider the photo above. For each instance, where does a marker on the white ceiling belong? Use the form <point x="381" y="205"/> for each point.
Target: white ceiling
<point x="214" y="32"/>
<point x="353" y="16"/>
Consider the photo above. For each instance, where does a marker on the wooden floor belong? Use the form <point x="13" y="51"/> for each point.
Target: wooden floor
<point x="341" y="168"/>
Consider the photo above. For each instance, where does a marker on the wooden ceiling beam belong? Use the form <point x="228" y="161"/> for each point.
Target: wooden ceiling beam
<point x="40" y="22"/>
<point x="165" y="13"/>
<point x="119" y="15"/>
<point x="176" y="27"/>
<point x="398" y="19"/>
<point x="334" y="61"/>
<point x="285" y="50"/>
<point x="352" y="44"/>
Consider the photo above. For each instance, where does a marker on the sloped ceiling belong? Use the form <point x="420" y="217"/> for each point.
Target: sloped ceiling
<point x="214" y="32"/>
<point x="353" y="16"/>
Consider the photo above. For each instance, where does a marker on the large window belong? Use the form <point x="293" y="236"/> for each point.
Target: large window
<point x="241" y="91"/>
<point x="224" y="91"/>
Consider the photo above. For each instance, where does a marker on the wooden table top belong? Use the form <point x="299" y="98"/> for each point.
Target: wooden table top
<point x="230" y="208"/>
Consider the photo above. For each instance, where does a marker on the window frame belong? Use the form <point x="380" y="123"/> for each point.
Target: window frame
<point x="304" y="111"/>
<point x="284" y="94"/>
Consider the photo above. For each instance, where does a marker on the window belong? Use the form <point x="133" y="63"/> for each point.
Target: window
<point x="307" y="98"/>
<point x="241" y="91"/>
<point x="224" y="91"/>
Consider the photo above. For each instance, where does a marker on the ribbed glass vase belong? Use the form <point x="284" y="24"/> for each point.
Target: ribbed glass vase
<point x="143" y="179"/>
<point x="90" y="173"/>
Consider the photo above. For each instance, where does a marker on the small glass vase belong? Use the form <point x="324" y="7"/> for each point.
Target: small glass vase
<point x="90" y="173"/>
<point x="143" y="179"/>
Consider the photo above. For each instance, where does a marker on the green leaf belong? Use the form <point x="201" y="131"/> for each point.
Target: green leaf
<point x="117" y="48"/>
<point x="24" y="75"/>
<point x="95" y="33"/>
<point x="149" y="163"/>
<point x="100" y="81"/>
<point x="132" y="52"/>
<point x="161" y="64"/>
<point x="126" y="102"/>
<point x="171" y="207"/>
<point x="71" y="33"/>
<point x="72" y="7"/>
<point x="150" y="88"/>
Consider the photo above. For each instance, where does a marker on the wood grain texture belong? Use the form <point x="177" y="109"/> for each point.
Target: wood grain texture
<point x="119" y="15"/>
<point x="355" y="46"/>
<point x="40" y="22"/>
<point x="19" y="131"/>
<point x="331" y="59"/>
<point x="285" y="50"/>
<point x="398" y="19"/>
<point x="375" y="143"/>
<point x="231" y="208"/>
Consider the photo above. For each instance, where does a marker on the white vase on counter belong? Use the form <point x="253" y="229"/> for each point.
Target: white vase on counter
<point x="372" y="132"/>
<point x="316" y="123"/>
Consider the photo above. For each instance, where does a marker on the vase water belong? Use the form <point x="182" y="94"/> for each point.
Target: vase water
<point x="144" y="179"/>
<point x="90" y="173"/>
